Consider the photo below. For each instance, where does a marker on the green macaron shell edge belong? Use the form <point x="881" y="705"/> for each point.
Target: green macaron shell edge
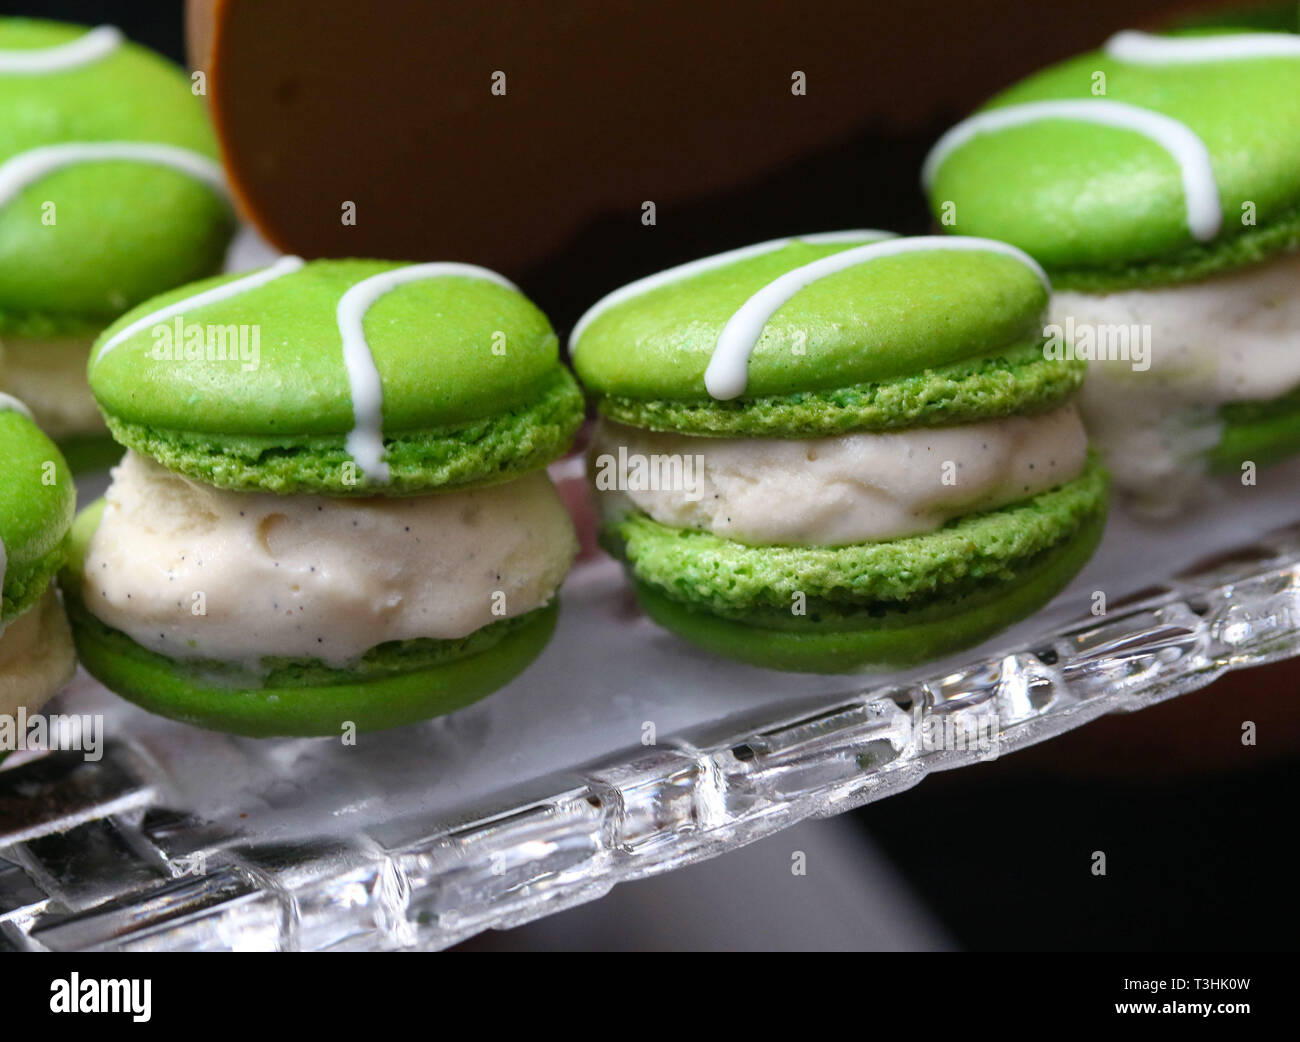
<point x="1257" y="432"/>
<point x="726" y="578"/>
<point x="480" y="452"/>
<point x="396" y="683"/>
<point x="37" y="502"/>
<point x="896" y="639"/>
<point x="1103" y="207"/>
<point x="885" y="318"/>
<point x="1189" y="264"/>
<point x="118" y="231"/>
<point x="1015" y="382"/>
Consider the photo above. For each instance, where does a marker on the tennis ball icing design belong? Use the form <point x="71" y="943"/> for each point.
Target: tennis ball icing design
<point x="91" y="47"/>
<point x="698" y="267"/>
<point x="212" y="296"/>
<point x="110" y="189"/>
<point x="724" y="326"/>
<point x="1190" y="133"/>
<point x="1201" y="194"/>
<point x="21" y="170"/>
<point x="1140" y="48"/>
<point x="30" y="166"/>
<point x="8" y="403"/>
<point x="727" y="374"/>
<point x="350" y="351"/>
<point x="366" y="440"/>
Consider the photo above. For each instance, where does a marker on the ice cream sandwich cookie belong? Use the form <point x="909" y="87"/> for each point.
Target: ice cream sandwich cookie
<point x="110" y="192"/>
<point x="1158" y="182"/>
<point x="333" y="512"/>
<point x="37" y="500"/>
<point x="842" y="451"/>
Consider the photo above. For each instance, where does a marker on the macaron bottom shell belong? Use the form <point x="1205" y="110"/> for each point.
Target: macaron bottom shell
<point x="305" y="700"/>
<point x="895" y="639"/>
<point x="742" y="582"/>
<point x="1257" y="432"/>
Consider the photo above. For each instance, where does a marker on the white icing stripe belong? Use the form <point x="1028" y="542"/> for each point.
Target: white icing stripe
<point x="365" y="444"/>
<point x="21" y="170"/>
<point x="284" y="266"/>
<point x="96" y="44"/>
<point x="8" y="403"/>
<point x="728" y="374"/>
<point x="1200" y="192"/>
<point x="1147" y="49"/>
<point x="695" y="267"/>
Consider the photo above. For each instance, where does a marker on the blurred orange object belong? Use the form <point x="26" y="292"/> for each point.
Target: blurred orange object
<point x="494" y="133"/>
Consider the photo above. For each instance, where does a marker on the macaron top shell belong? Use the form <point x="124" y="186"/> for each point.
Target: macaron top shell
<point x="88" y="226"/>
<point x="432" y="340"/>
<point x="37" y="501"/>
<point x="1112" y="185"/>
<point x="260" y="359"/>
<point x="884" y="319"/>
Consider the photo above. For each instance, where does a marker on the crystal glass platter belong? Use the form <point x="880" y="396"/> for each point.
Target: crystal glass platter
<point x="621" y="753"/>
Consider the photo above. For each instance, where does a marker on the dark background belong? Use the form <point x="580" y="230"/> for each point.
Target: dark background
<point x="1199" y="832"/>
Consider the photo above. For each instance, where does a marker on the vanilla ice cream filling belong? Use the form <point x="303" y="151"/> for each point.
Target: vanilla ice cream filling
<point x="1233" y="337"/>
<point x="853" y="488"/>
<point x="36" y="656"/>
<point x="195" y="572"/>
<point x="50" y="377"/>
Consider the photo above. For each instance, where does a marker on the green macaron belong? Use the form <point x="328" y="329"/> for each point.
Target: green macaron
<point x="1154" y="163"/>
<point x="808" y="342"/>
<point x="349" y="390"/>
<point x="37" y="500"/>
<point x="110" y="192"/>
<point x="392" y="684"/>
